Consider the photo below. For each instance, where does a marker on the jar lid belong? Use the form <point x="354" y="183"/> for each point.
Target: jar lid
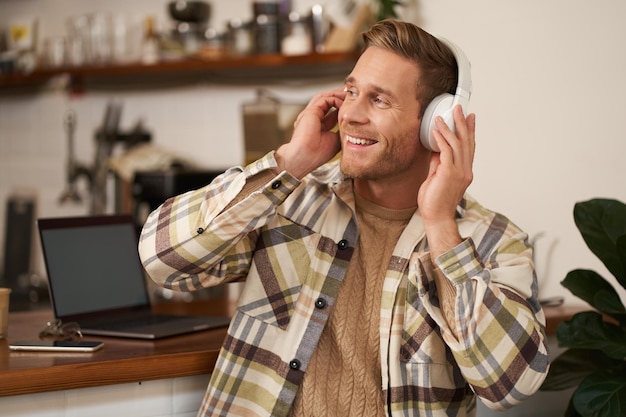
<point x="266" y="19"/>
<point x="239" y="24"/>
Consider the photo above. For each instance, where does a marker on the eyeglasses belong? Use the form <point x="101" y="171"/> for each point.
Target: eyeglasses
<point x="57" y="330"/>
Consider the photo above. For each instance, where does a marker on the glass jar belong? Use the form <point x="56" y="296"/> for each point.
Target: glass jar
<point x="240" y="40"/>
<point x="298" y="39"/>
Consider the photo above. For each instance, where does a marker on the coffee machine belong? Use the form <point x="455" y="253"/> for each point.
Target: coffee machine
<point x="191" y="20"/>
<point x="151" y="188"/>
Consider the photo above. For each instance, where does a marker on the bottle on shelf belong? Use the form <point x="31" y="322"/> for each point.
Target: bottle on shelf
<point x="150" y="45"/>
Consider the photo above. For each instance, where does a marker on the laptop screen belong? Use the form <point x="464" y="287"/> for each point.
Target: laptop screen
<point x="92" y="264"/>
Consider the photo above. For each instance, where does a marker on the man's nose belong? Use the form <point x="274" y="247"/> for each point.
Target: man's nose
<point x="354" y="111"/>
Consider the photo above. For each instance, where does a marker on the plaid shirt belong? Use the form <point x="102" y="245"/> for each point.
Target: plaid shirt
<point x="291" y="241"/>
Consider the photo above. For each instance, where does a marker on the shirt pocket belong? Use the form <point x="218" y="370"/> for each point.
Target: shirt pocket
<point x="281" y="265"/>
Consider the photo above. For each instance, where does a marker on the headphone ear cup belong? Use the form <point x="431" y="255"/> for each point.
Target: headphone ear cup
<point x="438" y="107"/>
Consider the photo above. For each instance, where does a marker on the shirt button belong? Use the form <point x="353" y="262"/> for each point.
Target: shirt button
<point x="200" y="230"/>
<point x="294" y="364"/>
<point x="320" y="303"/>
<point x="276" y="184"/>
<point x="343" y="244"/>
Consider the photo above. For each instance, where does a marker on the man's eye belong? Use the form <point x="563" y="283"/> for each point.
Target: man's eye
<point x="380" y="102"/>
<point x="350" y="91"/>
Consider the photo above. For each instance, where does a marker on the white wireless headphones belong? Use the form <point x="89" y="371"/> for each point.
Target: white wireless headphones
<point x="443" y="104"/>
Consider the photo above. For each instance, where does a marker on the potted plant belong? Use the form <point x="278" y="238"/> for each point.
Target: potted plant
<point x="386" y="8"/>
<point x="595" y="361"/>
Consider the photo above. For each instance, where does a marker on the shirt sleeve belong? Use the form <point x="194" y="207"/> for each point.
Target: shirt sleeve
<point x="501" y="347"/>
<point x="204" y="237"/>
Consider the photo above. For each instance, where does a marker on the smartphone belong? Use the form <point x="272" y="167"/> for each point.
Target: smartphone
<point x="56" y="346"/>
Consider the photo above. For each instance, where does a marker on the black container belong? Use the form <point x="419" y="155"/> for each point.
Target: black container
<point x="267" y="34"/>
<point x="189" y="11"/>
<point x="265" y="7"/>
<point x="269" y="21"/>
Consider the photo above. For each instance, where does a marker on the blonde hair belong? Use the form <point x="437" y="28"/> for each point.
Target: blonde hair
<point x="434" y="59"/>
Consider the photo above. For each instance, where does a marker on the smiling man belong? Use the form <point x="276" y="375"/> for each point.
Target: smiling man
<point x="374" y="284"/>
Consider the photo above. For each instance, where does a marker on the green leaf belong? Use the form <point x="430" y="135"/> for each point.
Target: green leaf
<point x="587" y="330"/>
<point x="571" y="410"/>
<point x="602" y="223"/>
<point x="596" y="360"/>
<point x="589" y="286"/>
<point x="569" y="368"/>
<point x="621" y="250"/>
<point x="601" y="395"/>
<point x="386" y="9"/>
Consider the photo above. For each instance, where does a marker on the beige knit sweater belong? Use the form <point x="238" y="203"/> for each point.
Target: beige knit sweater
<point x="344" y="376"/>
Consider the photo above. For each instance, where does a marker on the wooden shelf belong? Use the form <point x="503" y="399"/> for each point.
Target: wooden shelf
<point x="239" y="70"/>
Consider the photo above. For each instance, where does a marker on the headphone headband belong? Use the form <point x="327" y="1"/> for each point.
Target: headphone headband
<point x="464" y="76"/>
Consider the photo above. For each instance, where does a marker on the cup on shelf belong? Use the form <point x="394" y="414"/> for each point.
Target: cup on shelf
<point x="100" y="37"/>
<point x="79" y="40"/>
<point x="54" y="52"/>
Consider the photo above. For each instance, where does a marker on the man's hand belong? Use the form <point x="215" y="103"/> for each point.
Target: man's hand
<point x="449" y="176"/>
<point x="314" y="141"/>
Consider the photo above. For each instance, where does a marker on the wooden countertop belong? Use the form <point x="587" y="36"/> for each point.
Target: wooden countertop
<point x="129" y="360"/>
<point x="120" y="360"/>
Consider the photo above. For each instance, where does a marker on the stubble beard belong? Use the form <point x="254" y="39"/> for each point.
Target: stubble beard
<point x="383" y="165"/>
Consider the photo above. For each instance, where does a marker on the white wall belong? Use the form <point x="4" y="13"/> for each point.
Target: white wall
<point x="548" y="93"/>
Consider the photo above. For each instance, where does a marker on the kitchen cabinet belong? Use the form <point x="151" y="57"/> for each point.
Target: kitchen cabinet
<point x="252" y="69"/>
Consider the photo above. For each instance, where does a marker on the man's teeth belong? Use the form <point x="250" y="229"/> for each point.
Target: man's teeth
<point x="359" y="141"/>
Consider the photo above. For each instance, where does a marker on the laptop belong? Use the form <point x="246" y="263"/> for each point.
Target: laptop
<point x="96" y="279"/>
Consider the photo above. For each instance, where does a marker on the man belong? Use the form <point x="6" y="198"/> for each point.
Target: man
<point x="374" y="285"/>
